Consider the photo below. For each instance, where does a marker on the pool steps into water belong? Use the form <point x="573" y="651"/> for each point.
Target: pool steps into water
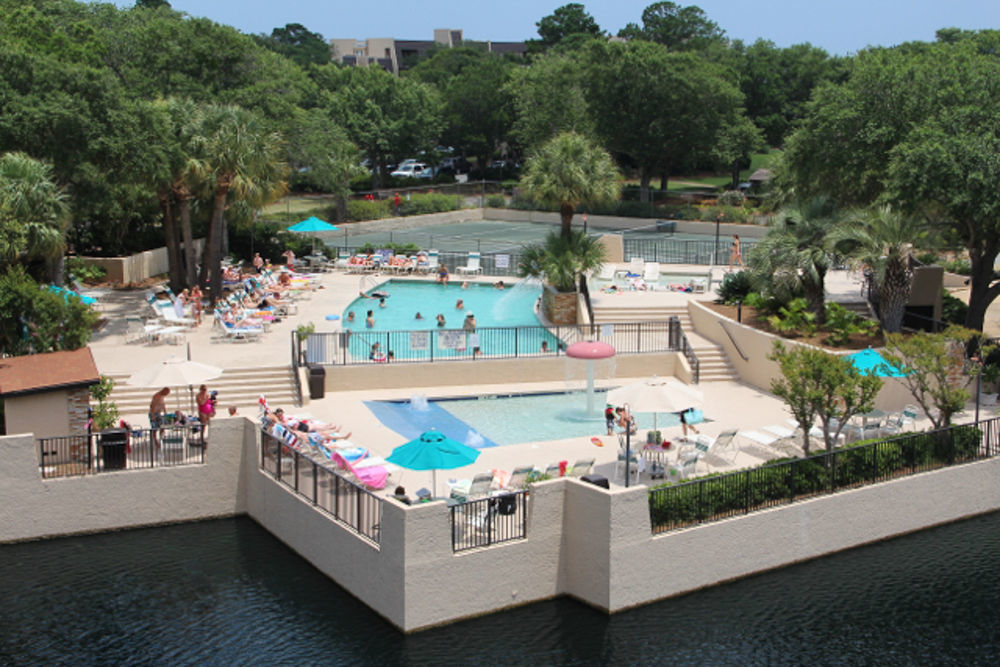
<point x="715" y="366"/>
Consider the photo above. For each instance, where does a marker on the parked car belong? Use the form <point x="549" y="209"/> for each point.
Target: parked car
<point x="413" y="170"/>
<point x="454" y="165"/>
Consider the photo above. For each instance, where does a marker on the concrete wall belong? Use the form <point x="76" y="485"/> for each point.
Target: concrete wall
<point x="138" y="267"/>
<point x="45" y="413"/>
<point x="582" y="541"/>
<point x="748" y="350"/>
<point x="32" y="508"/>
<point x="451" y="373"/>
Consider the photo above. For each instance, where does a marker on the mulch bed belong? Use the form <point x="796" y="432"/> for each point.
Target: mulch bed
<point x="755" y="320"/>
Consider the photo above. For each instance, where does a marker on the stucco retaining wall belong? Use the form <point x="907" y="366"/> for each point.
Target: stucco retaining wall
<point x="493" y="371"/>
<point x="140" y="266"/>
<point x="32" y="508"/>
<point x="748" y="350"/>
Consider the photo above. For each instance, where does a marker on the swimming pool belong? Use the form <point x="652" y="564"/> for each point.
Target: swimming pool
<point x="505" y="319"/>
<point x="508" y="419"/>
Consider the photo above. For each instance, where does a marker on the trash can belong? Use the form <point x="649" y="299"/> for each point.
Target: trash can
<point x="597" y="480"/>
<point x="317" y="381"/>
<point x="113" y="443"/>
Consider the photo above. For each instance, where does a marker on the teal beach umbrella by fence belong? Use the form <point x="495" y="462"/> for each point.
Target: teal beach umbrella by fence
<point x="433" y="451"/>
<point x="871" y="362"/>
<point x="312" y="226"/>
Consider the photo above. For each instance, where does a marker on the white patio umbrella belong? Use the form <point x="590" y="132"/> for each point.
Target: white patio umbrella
<point x="656" y="395"/>
<point x="174" y="372"/>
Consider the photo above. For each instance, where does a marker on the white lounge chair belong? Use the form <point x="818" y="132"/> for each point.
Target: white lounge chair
<point x="237" y="334"/>
<point x="139" y="330"/>
<point x="581" y="468"/>
<point x="472" y="265"/>
<point x="479" y="487"/>
<point x="636" y="266"/>
<point x="607" y="272"/>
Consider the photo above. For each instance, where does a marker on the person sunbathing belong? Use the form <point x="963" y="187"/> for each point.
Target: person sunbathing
<point x="231" y="274"/>
<point x="329" y="431"/>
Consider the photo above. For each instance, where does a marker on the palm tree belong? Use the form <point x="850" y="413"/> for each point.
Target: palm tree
<point x="33" y="213"/>
<point x="883" y="240"/>
<point x="569" y="171"/>
<point x="236" y="158"/>
<point x="797" y="252"/>
<point x="560" y="259"/>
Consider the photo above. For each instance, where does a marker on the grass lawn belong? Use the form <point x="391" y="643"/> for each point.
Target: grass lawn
<point x="294" y="208"/>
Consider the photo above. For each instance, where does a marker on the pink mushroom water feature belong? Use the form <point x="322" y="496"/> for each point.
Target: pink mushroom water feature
<point x="590" y="351"/>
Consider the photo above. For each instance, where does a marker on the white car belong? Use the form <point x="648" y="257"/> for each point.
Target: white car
<point x="413" y="170"/>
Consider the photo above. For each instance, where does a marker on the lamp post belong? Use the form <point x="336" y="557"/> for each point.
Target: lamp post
<point x="715" y="252"/>
<point x="628" y="443"/>
<point x="979" y="383"/>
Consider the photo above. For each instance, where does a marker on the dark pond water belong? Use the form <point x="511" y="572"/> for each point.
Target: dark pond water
<point x="227" y="593"/>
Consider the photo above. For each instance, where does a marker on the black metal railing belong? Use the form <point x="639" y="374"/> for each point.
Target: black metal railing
<point x="344" y="348"/>
<point x="678" y="251"/>
<point x="481" y="523"/>
<point x="346" y="501"/>
<point x="121" y="449"/>
<point x="296" y="363"/>
<point x="721" y="496"/>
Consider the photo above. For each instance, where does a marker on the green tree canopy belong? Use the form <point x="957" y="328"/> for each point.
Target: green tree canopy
<point x="561" y="259"/>
<point x="33" y="212"/>
<point x="297" y="42"/>
<point x="550" y="97"/>
<point x="675" y="27"/>
<point x="570" y="19"/>
<point x="916" y="126"/>
<point x="37" y="320"/>
<point x="569" y="171"/>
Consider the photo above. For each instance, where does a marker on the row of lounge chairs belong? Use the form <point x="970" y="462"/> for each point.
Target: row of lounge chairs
<point x="385" y="260"/>
<point x="643" y="275"/>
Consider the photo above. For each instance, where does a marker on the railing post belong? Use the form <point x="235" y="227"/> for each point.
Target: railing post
<point x="746" y="486"/>
<point x="278" y="459"/>
<point x="315" y="483"/>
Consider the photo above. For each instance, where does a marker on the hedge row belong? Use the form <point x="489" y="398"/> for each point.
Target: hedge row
<point x="862" y="463"/>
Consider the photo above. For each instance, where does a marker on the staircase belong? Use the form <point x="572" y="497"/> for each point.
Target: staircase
<point x="236" y="386"/>
<point x="715" y="366"/>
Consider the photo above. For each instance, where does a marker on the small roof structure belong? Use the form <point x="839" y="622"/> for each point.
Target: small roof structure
<point x="760" y="175"/>
<point x="36" y="373"/>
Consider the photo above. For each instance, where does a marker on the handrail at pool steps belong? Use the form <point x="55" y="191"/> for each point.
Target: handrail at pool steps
<point x="717" y="497"/>
<point x="296" y="363"/>
<point x="346" y="501"/>
<point x="487" y="521"/>
<point x="735" y="344"/>
<point x="356" y="347"/>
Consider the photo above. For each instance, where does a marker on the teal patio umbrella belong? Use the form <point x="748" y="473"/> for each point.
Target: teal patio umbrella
<point x="871" y="362"/>
<point x="433" y="451"/>
<point x="311" y="226"/>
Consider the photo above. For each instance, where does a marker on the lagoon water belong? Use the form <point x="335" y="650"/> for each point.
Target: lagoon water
<point x="226" y="592"/>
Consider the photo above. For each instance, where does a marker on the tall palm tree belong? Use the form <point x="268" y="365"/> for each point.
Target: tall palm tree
<point x="883" y="239"/>
<point x="561" y="259"/>
<point x="236" y="158"/>
<point x="569" y="171"/>
<point x="798" y="251"/>
<point x="34" y="213"/>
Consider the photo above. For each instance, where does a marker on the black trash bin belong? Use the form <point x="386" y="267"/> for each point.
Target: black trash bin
<point x="317" y="381"/>
<point x="113" y="443"/>
<point x="597" y="480"/>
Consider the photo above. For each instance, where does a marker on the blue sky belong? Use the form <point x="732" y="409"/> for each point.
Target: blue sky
<point x="839" y="26"/>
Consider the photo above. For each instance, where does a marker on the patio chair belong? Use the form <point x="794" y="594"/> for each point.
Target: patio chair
<point x="634" y="466"/>
<point x="893" y="425"/>
<point x="760" y="445"/>
<point x="910" y="413"/>
<point x="607" y="272"/>
<point x="471" y="266"/>
<point x="636" y="266"/>
<point x="651" y="274"/>
<point x="432" y="261"/>
<point x="138" y="329"/>
<point x="685" y="468"/>
<point x="581" y="468"/>
<point x="479" y="487"/>
<point x="519" y="478"/>
<point x="343" y="258"/>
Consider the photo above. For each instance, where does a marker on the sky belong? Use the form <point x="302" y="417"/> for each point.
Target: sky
<point x="840" y="27"/>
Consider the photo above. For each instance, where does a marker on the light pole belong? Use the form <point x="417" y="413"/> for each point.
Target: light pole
<point x="628" y="442"/>
<point x="979" y="383"/>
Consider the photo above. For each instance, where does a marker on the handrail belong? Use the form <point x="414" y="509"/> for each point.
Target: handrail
<point x="735" y="344"/>
<point x="692" y="358"/>
<point x="296" y="357"/>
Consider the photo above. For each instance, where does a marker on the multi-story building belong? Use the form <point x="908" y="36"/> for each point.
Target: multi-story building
<point x="396" y="55"/>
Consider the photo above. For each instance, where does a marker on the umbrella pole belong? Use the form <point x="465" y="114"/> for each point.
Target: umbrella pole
<point x="434" y="483"/>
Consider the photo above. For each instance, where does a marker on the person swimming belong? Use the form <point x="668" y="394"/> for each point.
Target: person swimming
<point x="459" y="305"/>
<point x="370" y="319"/>
<point x="381" y="302"/>
<point x="440" y="319"/>
<point x="419" y="316"/>
<point x="350" y="316"/>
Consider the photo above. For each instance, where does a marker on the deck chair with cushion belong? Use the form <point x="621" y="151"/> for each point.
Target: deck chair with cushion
<point x="636" y="266"/>
<point x="651" y="274"/>
<point x="371" y="476"/>
<point x="479" y="487"/>
<point x="519" y="478"/>
<point x="472" y="265"/>
<point x="581" y="467"/>
<point x="607" y="272"/>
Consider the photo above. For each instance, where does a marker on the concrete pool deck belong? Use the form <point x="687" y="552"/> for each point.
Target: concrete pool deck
<point x="728" y="405"/>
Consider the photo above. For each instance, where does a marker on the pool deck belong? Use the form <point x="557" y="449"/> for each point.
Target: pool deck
<point x="728" y="405"/>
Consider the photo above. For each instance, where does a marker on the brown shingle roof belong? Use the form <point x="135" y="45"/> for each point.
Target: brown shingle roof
<point x="53" y="370"/>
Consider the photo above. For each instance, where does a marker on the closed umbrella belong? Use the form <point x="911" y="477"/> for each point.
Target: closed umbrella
<point x="656" y="395"/>
<point x="433" y="451"/>
<point x="312" y="226"/>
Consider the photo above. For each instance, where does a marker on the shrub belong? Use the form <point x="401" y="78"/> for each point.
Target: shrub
<point x="432" y="202"/>
<point x="269" y="239"/>
<point x="734" y="287"/>
<point x="953" y="309"/>
<point x="732" y="198"/>
<point x="928" y="257"/>
<point x="960" y="266"/>
<point x="364" y="209"/>
<point x="842" y="323"/>
<point x="36" y="320"/>
<point x="85" y="271"/>
<point x="496" y="201"/>
<point x="396" y="248"/>
<point x="794" y="319"/>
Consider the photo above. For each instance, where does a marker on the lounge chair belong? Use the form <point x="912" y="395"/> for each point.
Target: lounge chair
<point x="479" y="487"/>
<point x="893" y="425"/>
<point x="167" y="313"/>
<point x="372" y="476"/>
<point x="552" y="470"/>
<point x="581" y="468"/>
<point x="139" y="330"/>
<point x="636" y="266"/>
<point x="910" y="413"/>
<point x="234" y="333"/>
<point x="720" y="447"/>
<point x="519" y="478"/>
<point x="607" y="272"/>
<point x="432" y="262"/>
<point x="471" y="266"/>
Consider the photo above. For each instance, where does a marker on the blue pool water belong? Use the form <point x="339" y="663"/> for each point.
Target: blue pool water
<point x="505" y="321"/>
<point x="488" y="421"/>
